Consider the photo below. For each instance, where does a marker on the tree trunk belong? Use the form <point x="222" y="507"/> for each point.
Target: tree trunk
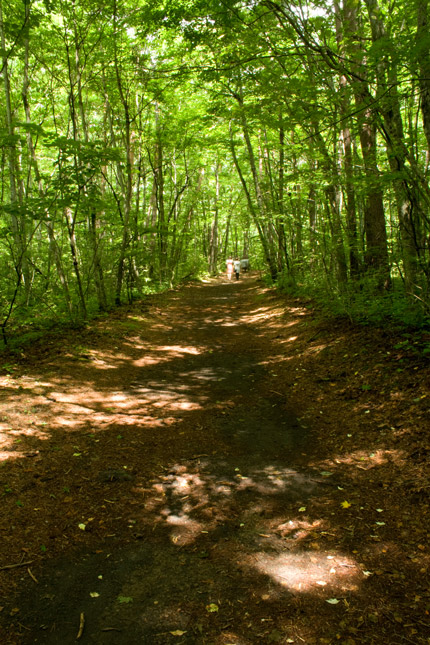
<point x="423" y="26"/>
<point x="347" y="159"/>
<point x="162" y="226"/>
<point x="92" y="219"/>
<point x="53" y="246"/>
<point x="213" y="241"/>
<point x="408" y="207"/>
<point x="18" y="222"/>
<point x="283" y="258"/>
<point x="70" y="221"/>
<point x="128" y="188"/>
<point x="266" y="249"/>
<point x="376" y="257"/>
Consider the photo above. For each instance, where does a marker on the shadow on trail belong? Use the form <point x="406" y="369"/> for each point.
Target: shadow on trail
<point x="221" y="548"/>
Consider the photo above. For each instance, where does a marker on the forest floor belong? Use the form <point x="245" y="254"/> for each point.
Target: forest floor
<point x="216" y="465"/>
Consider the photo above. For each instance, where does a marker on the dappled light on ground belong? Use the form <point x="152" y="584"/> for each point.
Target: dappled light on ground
<point x="261" y="314"/>
<point x="367" y="459"/>
<point x="305" y="572"/>
<point x="4" y="456"/>
<point x="77" y="406"/>
<point x="155" y="355"/>
<point x="192" y="504"/>
<point x="231" y="473"/>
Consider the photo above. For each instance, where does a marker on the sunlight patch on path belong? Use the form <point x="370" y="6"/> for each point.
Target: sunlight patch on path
<point x="164" y="353"/>
<point x="266" y="535"/>
<point x="307" y="571"/>
<point x="10" y="456"/>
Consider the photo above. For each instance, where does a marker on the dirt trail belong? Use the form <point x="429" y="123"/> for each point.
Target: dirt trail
<point x="168" y="484"/>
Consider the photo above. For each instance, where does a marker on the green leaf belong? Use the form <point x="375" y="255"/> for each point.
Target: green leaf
<point x="125" y="600"/>
<point x="212" y="608"/>
<point x="34" y="128"/>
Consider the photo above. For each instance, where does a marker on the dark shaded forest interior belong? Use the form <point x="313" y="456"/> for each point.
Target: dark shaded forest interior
<point x="216" y="465"/>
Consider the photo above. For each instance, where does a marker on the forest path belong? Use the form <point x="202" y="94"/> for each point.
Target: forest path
<point x="173" y="486"/>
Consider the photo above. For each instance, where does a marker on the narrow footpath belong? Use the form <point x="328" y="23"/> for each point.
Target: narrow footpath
<point x="206" y="467"/>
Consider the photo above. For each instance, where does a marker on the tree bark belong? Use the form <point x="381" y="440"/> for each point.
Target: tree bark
<point x="128" y="188"/>
<point x="271" y="263"/>
<point x="213" y="241"/>
<point x="17" y="222"/>
<point x="53" y="246"/>
<point x="347" y="158"/>
<point x="376" y="256"/>
<point x="407" y="199"/>
<point x="423" y="26"/>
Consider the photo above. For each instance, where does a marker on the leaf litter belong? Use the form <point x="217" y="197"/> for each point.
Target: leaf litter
<point x="366" y="450"/>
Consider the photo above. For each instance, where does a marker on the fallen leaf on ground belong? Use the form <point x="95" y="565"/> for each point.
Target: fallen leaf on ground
<point x="123" y="600"/>
<point x="212" y="607"/>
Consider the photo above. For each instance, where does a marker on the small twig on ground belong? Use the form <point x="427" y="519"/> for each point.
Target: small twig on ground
<point x="313" y="337"/>
<point x="32" y="576"/>
<point x="24" y="627"/>
<point x="404" y="638"/>
<point x="14" y="566"/>
<point x="81" y="625"/>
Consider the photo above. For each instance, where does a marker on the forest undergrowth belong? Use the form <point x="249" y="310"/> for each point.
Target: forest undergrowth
<point x="264" y="468"/>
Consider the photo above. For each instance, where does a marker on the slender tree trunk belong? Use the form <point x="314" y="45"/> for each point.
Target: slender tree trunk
<point x="159" y="185"/>
<point x="251" y="157"/>
<point x="18" y="223"/>
<point x="213" y="241"/>
<point x="267" y="255"/>
<point x="312" y="210"/>
<point x="332" y="199"/>
<point x="92" y="219"/>
<point x="127" y="197"/>
<point x="188" y="220"/>
<point x="347" y="159"/>
<point x="283" y="259"/>
<point x="53" y="246"/>
<point x="70" y="217"/>
<point x="260" y="221"/>
<point x="70" y="221"/>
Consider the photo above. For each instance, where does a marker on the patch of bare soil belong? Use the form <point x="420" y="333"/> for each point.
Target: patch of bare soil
<point x="218" y="466"/>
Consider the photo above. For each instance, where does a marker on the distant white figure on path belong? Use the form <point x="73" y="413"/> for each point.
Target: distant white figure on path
<point x="230" y="267"/>
<point x="237" y="267"/>
<point x="244" y="265"/>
